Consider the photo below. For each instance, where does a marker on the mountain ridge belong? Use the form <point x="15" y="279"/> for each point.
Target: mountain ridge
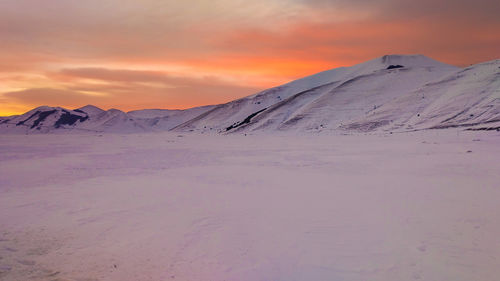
<point x="388" y="93"/>
<point x="232" y="113"/>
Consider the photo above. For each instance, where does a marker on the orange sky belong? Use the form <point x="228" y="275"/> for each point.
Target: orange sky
<point x="131" y="54"/>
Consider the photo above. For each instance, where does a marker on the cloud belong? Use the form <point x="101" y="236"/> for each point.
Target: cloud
<point x="484" y="10"/>
<point x="203" y="51"/>
<point x="36" y="34"/>
<point x="48" y="96"/>
<point x="128" y="89"/>
<point x="155" y="87"/>
<point x="130" y="76"/>
<point x="153" y="29"/>
<point x="343" y="44"/>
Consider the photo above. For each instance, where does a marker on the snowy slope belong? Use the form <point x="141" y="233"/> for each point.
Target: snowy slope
<point x="326" y="98"/>
<point x="91" y="110"/>
<point x="330" y="106"/>
<point x="467" y="98"/>
<point x="164" y="119"/>
<point x="151" y="113"/>
<point x="113" y="120"/>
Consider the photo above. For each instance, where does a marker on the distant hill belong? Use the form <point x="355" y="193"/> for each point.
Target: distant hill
<point x="90" y="118"/>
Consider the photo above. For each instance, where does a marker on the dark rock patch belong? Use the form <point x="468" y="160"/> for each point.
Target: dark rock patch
<point x="393" y="66"/>
<point x="69" y="119"/>
<point x="246" y="121"/>
<point x="484" y="129"/>
<point x="24" y="121"/>
<point x="42" y="116"/>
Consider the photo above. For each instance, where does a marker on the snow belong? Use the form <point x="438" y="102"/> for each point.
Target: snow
<point x="386" y="170"/>
<point x="329" y="107"/>
<point x="390" y="93"/>
<point x="151" y="113"/>
<point x="163" y="206"/>
<point x="316" y="88"/>
<point x="43" y="119"/>
<point x="91" y="110"/>
<point x="93" y="119"/>
<point x="164" y="120"/>
<point x="466" y="98"/>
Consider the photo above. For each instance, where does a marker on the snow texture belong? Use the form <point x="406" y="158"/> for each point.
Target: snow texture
<point x="163" y="206"/>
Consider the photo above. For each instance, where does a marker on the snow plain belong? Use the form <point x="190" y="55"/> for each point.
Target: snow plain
<point x="161" y="206"/>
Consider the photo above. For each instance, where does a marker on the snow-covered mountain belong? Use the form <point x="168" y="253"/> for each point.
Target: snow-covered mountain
<point x="325" y="99"/>
<point x="43" y="119"/>
<point x="468" y="97"/>
<point x="391" y="93"/>
<point x="90" y="118"/>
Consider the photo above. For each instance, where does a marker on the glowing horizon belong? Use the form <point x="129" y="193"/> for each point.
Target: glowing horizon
<point x="171" y="54"/>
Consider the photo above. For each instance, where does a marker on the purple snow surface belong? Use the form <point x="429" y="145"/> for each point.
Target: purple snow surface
<point x="412" y="206"/>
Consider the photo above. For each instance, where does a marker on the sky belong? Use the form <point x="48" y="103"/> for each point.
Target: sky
<point x="130" y="54"/>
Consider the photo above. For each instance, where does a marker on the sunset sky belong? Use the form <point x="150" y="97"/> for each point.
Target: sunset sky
<point x="131" y="54"/>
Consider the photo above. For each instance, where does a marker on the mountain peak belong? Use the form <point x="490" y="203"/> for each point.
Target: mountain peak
<point x="42" y="108"/>
<point x="401" y="56"/>
<point x="417" y="60"/>
<point x="90" y="109"/>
